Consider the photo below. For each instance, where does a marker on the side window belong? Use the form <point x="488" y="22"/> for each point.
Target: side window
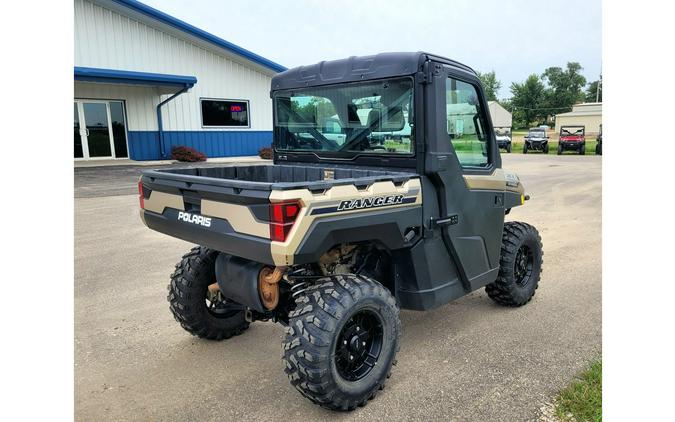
<point x="466" y="123"/>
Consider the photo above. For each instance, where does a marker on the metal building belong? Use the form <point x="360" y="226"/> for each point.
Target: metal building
<point x="146" y="81"/>
<point x="585" y="114"/>
<point x="501" y="117"/>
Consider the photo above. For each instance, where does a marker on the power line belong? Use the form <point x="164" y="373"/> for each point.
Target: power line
<point x="541" y="108"/>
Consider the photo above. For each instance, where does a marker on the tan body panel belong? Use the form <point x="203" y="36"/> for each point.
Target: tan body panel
<point x="499" y="180"/>
<point x="283" y="252"/>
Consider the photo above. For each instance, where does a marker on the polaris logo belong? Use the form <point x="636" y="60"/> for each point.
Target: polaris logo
<point x="194" y="218"/>
<point x="380" y="201"/>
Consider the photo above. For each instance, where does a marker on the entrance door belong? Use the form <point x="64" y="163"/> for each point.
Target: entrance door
<point x="100" y="130"/>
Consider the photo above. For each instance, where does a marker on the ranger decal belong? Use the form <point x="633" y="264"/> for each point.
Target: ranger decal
<point x="380" y="201"/>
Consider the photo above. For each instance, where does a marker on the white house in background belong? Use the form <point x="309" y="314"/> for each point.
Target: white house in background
<point x="585" y="114"/>
<point x="501" y="118"/>
<point x="146" y="81"/>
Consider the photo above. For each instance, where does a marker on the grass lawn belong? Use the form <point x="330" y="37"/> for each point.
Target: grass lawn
<point x="583" y="398"/>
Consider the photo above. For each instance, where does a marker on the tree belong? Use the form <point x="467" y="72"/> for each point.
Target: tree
<point x="490" y="84"/>
<point x="527" y="101"/>
<point x="592" y="94"/>
<point x="564" y="88"/>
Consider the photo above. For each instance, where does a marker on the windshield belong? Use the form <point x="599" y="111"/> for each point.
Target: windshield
<point x="370" y="117"/>
<point x="572" y="131"/>
<point x="537" y="134"/>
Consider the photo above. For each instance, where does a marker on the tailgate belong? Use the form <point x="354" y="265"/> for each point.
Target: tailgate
<point x="233" y="220"/>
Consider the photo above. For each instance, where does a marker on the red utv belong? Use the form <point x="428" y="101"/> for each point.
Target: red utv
<point x="572" y="138"/>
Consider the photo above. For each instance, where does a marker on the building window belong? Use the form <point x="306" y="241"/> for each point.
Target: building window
<point x="466" y="123"/>
<point x="224" y="113"/>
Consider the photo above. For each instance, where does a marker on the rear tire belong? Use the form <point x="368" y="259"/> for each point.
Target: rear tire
<point x="598" y="149"/>
<point x="341" y="341"/>
<point x="546" y="149"/>
<point x="188" y="294"/>
<point x="582" y="150"/>
<point x="525" y="148"/>
<point x="508" y="148"/>
<point x="520" y="265"/>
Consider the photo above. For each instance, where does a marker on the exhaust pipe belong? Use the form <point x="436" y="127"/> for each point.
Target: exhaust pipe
<point x="248" y="283"/>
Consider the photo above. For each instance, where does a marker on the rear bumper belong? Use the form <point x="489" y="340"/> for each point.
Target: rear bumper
<point x="219" y="236"/>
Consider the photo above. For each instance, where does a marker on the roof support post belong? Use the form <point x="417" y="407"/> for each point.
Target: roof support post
<point x="162" y="152"/>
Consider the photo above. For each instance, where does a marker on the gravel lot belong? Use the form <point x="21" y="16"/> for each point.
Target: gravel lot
<point x="467" y="360"/>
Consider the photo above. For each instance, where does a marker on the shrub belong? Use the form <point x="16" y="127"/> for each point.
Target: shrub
<point x="266" y="153"/>
<point x="187" y="154"/>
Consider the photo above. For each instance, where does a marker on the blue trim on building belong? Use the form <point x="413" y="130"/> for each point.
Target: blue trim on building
<point x="92" y="74"/>
<point x="144" y="145"/>
<point x="201" y="34"/>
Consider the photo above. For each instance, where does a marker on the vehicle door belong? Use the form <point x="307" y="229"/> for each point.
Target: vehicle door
<point x="465" y="167"/>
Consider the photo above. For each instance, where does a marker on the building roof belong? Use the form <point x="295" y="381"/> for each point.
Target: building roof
<point x="91" y="74"/>
<point x="580" y="113"/>
<point x="199" y="33"/>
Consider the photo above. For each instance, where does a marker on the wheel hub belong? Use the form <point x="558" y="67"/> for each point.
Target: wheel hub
<point x="359" y="345"/>
<point x="523" y="265"/>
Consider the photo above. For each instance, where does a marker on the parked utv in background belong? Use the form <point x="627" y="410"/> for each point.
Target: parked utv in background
<point x="503" y="136"/>
<point x="598" y="146"/>
<point x="572" y="138"/>
<point x="537" y="140"/>
<point x="338" y="234"/>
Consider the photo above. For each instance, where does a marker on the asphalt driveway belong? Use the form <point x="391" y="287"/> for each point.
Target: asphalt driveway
<point x="467" y="360"/>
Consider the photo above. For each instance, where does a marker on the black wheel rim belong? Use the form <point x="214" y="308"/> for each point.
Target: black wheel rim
<point x="359" y="345"/>
<point x="523" y="265"/>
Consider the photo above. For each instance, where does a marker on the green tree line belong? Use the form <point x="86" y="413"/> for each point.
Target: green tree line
<point x="541" y="96"/>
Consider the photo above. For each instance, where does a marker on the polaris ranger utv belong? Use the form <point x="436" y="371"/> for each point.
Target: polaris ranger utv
<point x="340" y="232"/>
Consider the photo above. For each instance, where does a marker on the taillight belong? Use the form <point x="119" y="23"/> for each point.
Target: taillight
<point x="141" y="197"/>
<point x="282" y="217"/>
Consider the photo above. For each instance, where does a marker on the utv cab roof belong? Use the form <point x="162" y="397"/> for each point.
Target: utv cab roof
<point x="354" y="69"/>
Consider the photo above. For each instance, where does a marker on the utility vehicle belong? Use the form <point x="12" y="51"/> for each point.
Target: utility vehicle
<point x="536" y="139"/>
<point x="333" y="238"/>
<point x="503" y="137"/>
<point x="572" y="138"/>
<point x="598" y="145"/>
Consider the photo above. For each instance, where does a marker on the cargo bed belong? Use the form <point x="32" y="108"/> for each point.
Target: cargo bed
<point x="229" y="208"/>
<point x="278" y="177"/>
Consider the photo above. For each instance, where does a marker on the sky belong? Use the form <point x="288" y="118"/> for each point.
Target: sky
<point x="514" y="38"/>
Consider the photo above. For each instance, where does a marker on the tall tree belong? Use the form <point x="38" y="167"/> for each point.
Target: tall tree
<point x="564" y="87"/>
<point x="592" y="94"/>
<point x="490" y="84"/>
<point x="527" y="101"/>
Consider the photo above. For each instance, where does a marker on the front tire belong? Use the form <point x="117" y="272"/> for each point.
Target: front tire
<point x="560" y="149"/>
<point x="582" y="150"/>
<point x="525" y="148"/>
<point x="546" y="149"/>
<point x="188" y="295"/>
<point x="520" y="265"/>
<point x="341" y="341"/>
<point x="508" y="148"/>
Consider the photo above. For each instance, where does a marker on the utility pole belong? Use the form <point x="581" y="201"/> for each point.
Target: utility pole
<point x="597" y="89"/>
